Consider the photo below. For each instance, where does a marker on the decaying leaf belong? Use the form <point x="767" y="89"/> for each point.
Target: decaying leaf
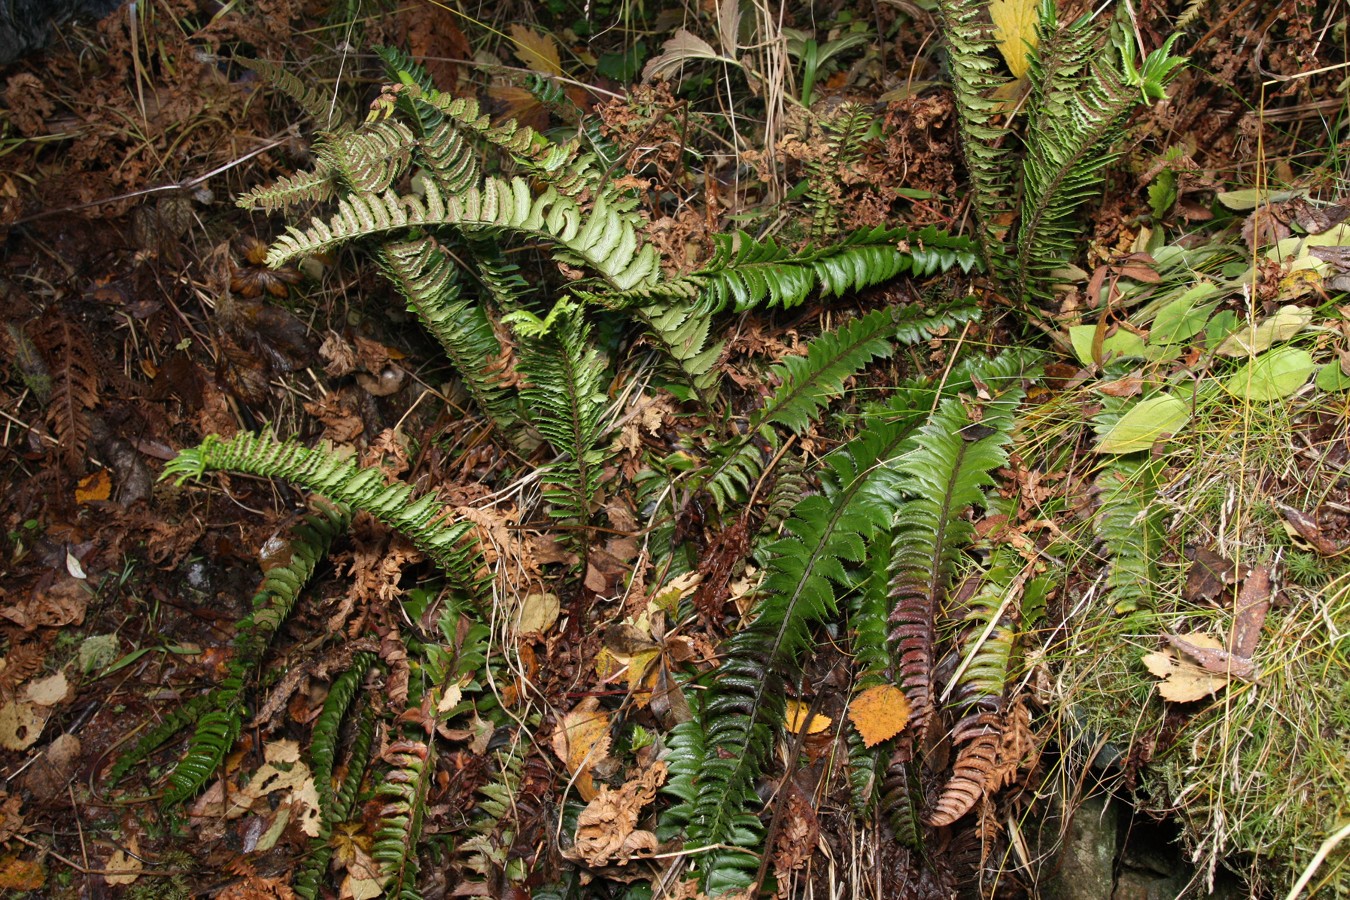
<point x="1209" y="574"/>
<point x="582" y="742"/>
<point x="21" y="725"/>
<point x="607" y="832"/>
<point x="879" y="713"/>
<point x="63" y="603"/>
<point x="1253" y="603"/>
<point x="21" y="874"/>
<point x="1185" y="681"/>
<point x="538" y="612"/>
<point x="126" y="863"/>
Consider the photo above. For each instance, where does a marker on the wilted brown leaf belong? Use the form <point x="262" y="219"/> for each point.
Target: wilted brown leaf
<point x="63" y="603"/>
<point x="879" y="713"/>
<point x="607" y="832"/>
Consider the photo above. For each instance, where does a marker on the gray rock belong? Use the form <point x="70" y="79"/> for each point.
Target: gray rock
<point x="1085" y="868"/>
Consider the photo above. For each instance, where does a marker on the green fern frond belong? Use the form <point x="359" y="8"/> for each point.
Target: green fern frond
<point x="179" y="718"/>
<point x="680" y="329"/>
<point x="292" y="190"/>
<point x="727" y="744"/>
<point x="1081" y="98"/>
<point x="945" y="474"/>
<point x="215" y="735"/>
<point x="323" y="741"/>
<point x="598" y="238"/>
<point x="806" y="383"/>
<point x="984" y="131"/>
<point x="1129" y="524"/>
<point x="404" y="791"/>
<point x="565" y="400"/>
<point x="331" y="473"/>
<point x="313" y="874"/>
<point x="321" y="108"/>
<point x="424" y="273"/>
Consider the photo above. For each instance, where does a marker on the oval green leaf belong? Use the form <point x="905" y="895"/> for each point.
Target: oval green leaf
<point x="1331" y="378"/>
<point x="1141" y="427"/>
<point x="1272" y="375"/>
<point x="1122" y="343"/>
<point x="1184" y="317"/>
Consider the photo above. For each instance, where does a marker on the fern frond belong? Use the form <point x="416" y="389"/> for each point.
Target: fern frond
<point x="404" y="790"/>
<point x="806" y="383"/>
<point x="744" y="273"/>
<point x="844" y="132"/>
<point x="986" y="648"/>
<point x="371" y="159"/>
<point x="318" y="184"/>
<point x="323" y="740"/>
<point x="726" y="746"/>
<point x="321" y="108"/>
<point x="565" y="400"/>
<point x="1129" y="523"/>
<point x="990" y="163"/>
<point x="1081" y="97"/>
<point x="332" y="473"/>
<point x="213" y="738"/>
<point x="424" y="273"/>
<point x="680" y="329"/>
<point x="185" y="714"/>
<point x="598" y="238"/>
<point x="946" y="473"/>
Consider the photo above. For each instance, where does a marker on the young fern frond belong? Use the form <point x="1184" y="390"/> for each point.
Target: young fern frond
<point x="1081" y="98"/>
<point x="565" y="400"/>
<point x="945" y="474"/>
<point x="680" y="329"/>
<point x="333" y="474"/>
<point x="1129" y="524"/>
<point x="424" y="273"/>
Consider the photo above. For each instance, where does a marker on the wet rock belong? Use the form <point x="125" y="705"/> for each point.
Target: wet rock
<point x="1085" y="867"/>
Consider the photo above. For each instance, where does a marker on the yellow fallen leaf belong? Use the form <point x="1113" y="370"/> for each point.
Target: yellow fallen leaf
<point x="538" y="613"/>
<point x="1015" y="30"/>
<point x="1182" y="680"/>
<point x="582" y="741"/>
<point x="879" y="713"/>
<point x="536" y="52"/>
<point x="796" y="714"/>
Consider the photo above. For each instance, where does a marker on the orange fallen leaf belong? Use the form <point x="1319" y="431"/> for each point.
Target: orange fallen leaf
<point x="94" y="486"/>
<point x="879" y="713"/>
<point x="21" y="874"/>
<point x="536" y="52"/>
<point x="796" y="715"/>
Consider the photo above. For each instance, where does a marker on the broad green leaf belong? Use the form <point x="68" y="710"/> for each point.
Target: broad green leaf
<point x="1141" y="427"/>
<point x="1251" y="198"/>
<point x="1286" y="323"/>
<point x="1332" y="378"/>
<point x="1184" y="317"/>
<point x="1122" y="343"/>
<point x="1271" y="375"/>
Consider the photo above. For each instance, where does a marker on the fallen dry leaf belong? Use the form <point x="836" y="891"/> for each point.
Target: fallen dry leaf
<point x="125" y="863"/>
<point x="1253" y="603"/>
<point x="607" y="832"/>
<point x="1184" y="681"/>
<point x="21" y="724"/>
<point x="582" y="742"/>
<point x="879" y="713"/>
<point x="63" y="603"/>
<point x="21" y="874"/>
<point x="536" y="51"/>
<point x="538" y="612"/>
<point x="48" y="691"/>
